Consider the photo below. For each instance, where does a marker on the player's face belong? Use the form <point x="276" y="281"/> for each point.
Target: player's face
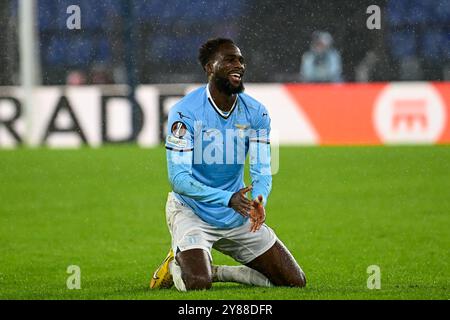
<point x="228" y="68"/>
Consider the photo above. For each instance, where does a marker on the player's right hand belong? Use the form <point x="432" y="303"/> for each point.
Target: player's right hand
<point x="240" y="202"/>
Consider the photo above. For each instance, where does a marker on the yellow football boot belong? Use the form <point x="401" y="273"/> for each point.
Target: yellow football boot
<point x="162" y="279"/>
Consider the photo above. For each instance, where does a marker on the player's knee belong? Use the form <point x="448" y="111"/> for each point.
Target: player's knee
<point x="298" y="280"/>
<point x="197" y="281"/>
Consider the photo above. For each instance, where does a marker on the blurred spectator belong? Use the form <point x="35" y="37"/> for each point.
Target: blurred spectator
<point x="446" y="73"/>
<point x="101" y="74"/>
<point x="322" y="63"/>
<point x="410" y="69"/>
<point x="364" y="70"/>
<point x="76" y="78"/>
<point x="374" y="66"/>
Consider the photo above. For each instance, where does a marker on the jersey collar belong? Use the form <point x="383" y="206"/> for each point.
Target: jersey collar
<point x="216" y="108"/>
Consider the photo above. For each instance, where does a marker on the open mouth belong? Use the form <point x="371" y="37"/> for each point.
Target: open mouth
<point x="236" y="76"/>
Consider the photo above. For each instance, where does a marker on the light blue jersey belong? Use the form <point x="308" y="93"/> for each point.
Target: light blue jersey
<point x="206" y="151"/>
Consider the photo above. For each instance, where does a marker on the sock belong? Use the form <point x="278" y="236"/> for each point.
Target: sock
<point x="175" y="271"/>
<point x="240" y="274"/>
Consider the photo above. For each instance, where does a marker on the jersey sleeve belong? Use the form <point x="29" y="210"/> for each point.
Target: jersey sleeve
<point x="259" y="151"/>
<point x="179" y="153"/>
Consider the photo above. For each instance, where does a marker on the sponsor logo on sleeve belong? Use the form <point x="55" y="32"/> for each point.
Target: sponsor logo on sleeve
<point x="178" y="129"/>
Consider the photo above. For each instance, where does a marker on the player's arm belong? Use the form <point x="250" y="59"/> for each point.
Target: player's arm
<point x="260" y="169"/>
<point x="259" y="152"/>
<point x="180" y="151"/>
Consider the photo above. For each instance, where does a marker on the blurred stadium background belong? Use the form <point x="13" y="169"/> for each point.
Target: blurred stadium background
<point x="145" y="52"/>
<point x="340" y="209"/>
<point x="168" y="34"/>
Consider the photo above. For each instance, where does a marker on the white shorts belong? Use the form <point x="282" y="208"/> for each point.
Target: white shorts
<point x="190" y="232"/>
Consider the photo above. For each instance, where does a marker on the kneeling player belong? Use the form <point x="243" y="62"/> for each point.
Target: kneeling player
<point x="208" y="207"/>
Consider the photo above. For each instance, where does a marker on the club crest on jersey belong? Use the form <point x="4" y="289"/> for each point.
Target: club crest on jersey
<point x="178" y="129"/>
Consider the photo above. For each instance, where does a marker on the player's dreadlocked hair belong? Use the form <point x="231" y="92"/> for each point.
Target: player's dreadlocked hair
<point x="209" y="49"/>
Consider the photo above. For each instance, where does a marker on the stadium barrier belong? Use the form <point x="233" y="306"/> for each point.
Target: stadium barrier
<point x="302" y="114"/>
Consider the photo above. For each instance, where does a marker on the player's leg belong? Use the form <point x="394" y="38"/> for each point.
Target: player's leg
<point x="240" y="274"/>
<point x="192" y="239"/>
<point x="194" y="270"/>
<point x="279" y="266"/>
<point x="266" y="261"/>
<point x="240" y="245"/>
<point x="189" y="270"/>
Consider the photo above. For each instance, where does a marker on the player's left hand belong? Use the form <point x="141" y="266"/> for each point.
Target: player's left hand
<point x="257" y="214"/>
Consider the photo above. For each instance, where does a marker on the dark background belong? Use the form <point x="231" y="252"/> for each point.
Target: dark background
<point x="273" y="35"/>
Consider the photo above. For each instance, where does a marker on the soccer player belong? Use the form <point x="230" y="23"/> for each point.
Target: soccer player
<point x="209" y="134"/>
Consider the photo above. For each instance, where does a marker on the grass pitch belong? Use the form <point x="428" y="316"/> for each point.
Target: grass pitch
<point x="338" y="209"/>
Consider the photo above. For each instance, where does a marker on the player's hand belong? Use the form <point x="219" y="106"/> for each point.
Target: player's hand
<point x="257" y="214"/>
<point x="240" y="202"/>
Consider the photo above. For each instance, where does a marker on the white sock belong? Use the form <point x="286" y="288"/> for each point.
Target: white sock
<point x="175" y="271"/>
<point x="240" y="274"/>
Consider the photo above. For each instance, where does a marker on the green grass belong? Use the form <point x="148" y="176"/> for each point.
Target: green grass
<point x="338" y="209"/>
